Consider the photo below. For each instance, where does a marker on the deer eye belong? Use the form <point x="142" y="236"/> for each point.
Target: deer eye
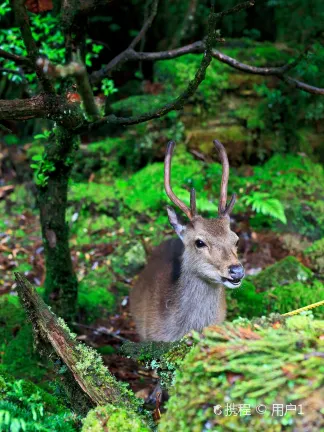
<point x="200" y="244"/>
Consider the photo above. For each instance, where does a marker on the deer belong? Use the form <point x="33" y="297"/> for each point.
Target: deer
<point x="182" y="287"/>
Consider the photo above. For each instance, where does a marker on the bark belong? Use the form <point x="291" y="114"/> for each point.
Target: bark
<point x="60" y="283"/>
<point x="88" y="380"/>
<point x="45" y="106"/>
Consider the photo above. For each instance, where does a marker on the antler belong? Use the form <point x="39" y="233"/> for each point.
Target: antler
<point x="224" y="209"/>
<point x="167" y="172"/>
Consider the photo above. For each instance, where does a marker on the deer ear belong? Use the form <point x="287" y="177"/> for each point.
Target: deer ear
<point x="175" y="222"/>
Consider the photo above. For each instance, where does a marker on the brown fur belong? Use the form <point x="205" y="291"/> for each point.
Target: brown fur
<point x="181" y="288"/>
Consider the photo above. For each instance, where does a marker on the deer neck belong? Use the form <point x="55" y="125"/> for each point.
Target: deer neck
<point x="199" y="303"/>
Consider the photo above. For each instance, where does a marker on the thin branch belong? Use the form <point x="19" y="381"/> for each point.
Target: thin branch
<point x="79" y="72"/>
<point x="130" y="54"/>
<point x="178" y="103"/>
<point x="199" y="47"/>
<point x="147" y="24"/>
<point x="23" y="23"/>
<point x="16" y="58"/>
<point x="235" y="9"/>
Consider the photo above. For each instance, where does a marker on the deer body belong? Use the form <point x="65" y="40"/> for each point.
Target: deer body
<point x="183" y="285"/>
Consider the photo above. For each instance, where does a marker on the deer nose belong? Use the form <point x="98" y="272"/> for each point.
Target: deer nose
<point x="236" y="271"/>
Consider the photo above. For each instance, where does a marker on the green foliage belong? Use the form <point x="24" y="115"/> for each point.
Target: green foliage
<point x="49" y="38"/>
<point x="114" y="419"/>
<point x="42" y="167"/>
<point x="27" y="408"/>
<point x="267" y="206"/>
<point x="249" y="363"/>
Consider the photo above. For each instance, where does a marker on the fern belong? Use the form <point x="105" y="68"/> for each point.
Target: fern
<point x="264" y="204"/>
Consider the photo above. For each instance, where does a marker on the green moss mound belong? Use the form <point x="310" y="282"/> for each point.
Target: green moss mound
<point x="266" y="362"/>
<point x="282" y="287"/>
<point x="288" y="270"/>
<point x="113" y="419"/>
<point x="315" y="253"/>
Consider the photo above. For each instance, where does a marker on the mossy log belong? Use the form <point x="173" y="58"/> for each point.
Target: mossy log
<point x="88" y="381"/>
<point x="265" y="375"/>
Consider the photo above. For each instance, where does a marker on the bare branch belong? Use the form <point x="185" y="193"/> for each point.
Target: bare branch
<point x="147" y="24"/>
<point x="178" y="103"/>
<point x="24" y="25"/>
<point x="235" y="9"/>
<point x="199" y="47"/>
<point x="16" y="58"/>
<point x="79" y="72"/>
<point x="130" y="54"/>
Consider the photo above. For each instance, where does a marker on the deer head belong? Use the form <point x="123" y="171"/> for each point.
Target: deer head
<point x="210" y="246"/>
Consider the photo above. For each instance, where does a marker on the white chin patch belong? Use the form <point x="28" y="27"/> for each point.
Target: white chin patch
<point x="232" y="285"/>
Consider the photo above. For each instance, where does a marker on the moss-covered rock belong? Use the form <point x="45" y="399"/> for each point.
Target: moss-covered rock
<point x="284" y="292"/>
<point x="129" y="258"/>
<point x="113" y="419"/>
<point x="315" y="253"/>
<point x="236" y="367"/>
<point x="288" y="270"/>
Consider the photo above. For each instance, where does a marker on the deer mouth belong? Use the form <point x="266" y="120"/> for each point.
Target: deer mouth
<point x="234" y="282"/>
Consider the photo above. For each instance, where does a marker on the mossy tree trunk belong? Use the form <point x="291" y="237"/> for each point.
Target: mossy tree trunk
<point x="61" y="282"/>
<point x="87" y="381"/>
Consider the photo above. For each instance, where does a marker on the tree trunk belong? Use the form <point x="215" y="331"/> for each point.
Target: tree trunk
<point x="61" y="283"/>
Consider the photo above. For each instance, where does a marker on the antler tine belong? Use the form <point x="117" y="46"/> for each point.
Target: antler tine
<point x="223" y="208"/>
<point x="193" y="202"/>
<point x="167" y="185"/>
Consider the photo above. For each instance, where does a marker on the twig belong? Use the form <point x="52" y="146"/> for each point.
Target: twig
<point x="147" y="24"/>
<point x="26" y="33"/>
<point x="101" y="330"/>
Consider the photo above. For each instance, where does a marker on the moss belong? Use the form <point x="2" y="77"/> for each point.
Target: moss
<point x="273" y="363"/>
<point x="20" y="358"/>
<point x="294" y="296"/>
<point x="114" y="419"/>
<point x="286" y="271"/>
<point x="315" y="254"/>
<point x="248" y="302"/>
<point x="164" y="357"/>
<point x="23" y="403"/>
<point x="94" y="297"/>
<point x="12" y="317"/>
<point x="128" y="258"/>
